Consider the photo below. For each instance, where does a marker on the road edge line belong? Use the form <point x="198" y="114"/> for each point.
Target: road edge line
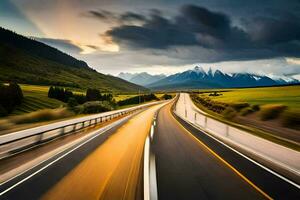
<point x="222" y="160"/>
<point x="67" y="151"/>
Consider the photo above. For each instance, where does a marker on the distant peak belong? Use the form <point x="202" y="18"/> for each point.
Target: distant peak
<point x="199" y="70"/>
<point x="210" y="72"/>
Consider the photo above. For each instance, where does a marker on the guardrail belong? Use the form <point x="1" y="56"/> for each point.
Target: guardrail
<point x="16" y="142"/>
<point x="285" y="160"/>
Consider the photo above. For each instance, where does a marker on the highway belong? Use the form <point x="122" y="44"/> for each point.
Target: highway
<point x="191" y="165"/>
<point x="105" y="167"/>
<point x="109" y="165"/>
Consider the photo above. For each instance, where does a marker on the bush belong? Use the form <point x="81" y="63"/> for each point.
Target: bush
<point x="215" y="94"/>
<point x="10" y="96"/>
<point x="138" y="99"/>
<point x="3" y="112"/>
<point x="96" y="107"/>
<point x="166" y="96"/>
<point x="246" y="111"/>
<point x="80" y="98"/>
<point x="72" y="102"/>
<point x="40" y="115"/>
<point x="271" y="111"/>
<point x="239" y="106"/>
<point x="93" y="95"/>
<point x="255" y="107"/>
<point x="58" y="93"/>
<point x="291" y="119"/>
<point x="229" y="113"/>
<point x="214" y="106"/>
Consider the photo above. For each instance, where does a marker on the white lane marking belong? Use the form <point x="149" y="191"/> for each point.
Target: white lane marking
<point x="54" y="161"/>
<point x="146" y="170"/>
<point x="152" y="132"/>
<point x="153" y="180"/>
<point x="246" y="157"/>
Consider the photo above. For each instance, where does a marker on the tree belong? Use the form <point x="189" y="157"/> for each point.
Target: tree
<point x="93" y="95"/>
<point x="72" y="102"/>
<point x="51" y="92"/>
<point x="10" y="96"/>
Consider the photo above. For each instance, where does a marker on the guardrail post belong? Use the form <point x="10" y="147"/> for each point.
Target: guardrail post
<point x="205" y="122"/>
<point x="62" y="130"/>
<point x="195" y="117"/>
<point x="227" y="130"/>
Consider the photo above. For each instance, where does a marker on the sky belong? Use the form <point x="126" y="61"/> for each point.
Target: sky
<point x="168" y="36"/>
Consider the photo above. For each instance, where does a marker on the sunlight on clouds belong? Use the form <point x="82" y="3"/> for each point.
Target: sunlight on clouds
<point x="62" y="20"/>
<point x="295" y="61"/>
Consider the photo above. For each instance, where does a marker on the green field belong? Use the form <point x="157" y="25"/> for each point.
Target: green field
<point x="120" y="97"/>
<point x="288" y="95"/>
<point x="35" y="98"/>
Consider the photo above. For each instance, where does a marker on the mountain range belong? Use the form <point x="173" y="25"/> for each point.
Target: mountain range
<point x="25" y="60"/>
<point x="141" y="78"/>
<point x="198" y="78"/>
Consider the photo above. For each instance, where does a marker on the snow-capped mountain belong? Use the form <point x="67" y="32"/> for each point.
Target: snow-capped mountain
<point x="141" y="78"/>
<point x="198" y="78"/>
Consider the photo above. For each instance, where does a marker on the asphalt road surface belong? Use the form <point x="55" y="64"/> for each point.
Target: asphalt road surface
<point x="190" y="165"/>
<point x="107" y="167"/>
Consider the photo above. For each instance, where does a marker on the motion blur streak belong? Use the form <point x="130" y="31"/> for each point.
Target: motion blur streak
<point x="112" y="171"/>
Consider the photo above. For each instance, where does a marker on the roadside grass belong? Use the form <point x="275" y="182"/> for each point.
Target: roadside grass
<point x="269" y="102"/>
<point x="252" y="130"/>
<point x="286" y="95"/>
<point x="37" y="108"/>
<point x="281" y="103"/>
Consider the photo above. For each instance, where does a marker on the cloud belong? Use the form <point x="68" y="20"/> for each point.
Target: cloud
<point x="214" y="35"/>
<point x="131" y="16"/>
<point x="63" y="45"/>
<point x="110" y="17"/>
<point x="293" y="61"/>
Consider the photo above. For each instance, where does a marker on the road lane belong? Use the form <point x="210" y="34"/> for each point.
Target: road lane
<point x="187" y="170"/>
<point x="17" y="164"/>
<point x="44" y="178"/>
<point x="113" y="170"/>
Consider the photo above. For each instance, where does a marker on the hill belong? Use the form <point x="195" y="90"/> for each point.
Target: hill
<point x="197" y="78"/>
<point x="141" y="78"/>
<point x="28" y="61"/>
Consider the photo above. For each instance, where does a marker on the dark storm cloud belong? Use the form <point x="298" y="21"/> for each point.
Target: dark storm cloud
<point x="273" y="31"/>
<point x="259" y="37"/>
<point x="194" y="26"/>
<point x="130" y="16"/>
<point x="108" y="16"/>
<point x="103" y="15"/>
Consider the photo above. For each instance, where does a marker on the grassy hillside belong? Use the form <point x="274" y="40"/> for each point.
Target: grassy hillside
<point x="18" y="63"/>
<point x="287" y="95"/>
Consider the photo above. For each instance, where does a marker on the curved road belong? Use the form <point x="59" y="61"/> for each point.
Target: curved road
<point x="191" y="165"/>
<point x="109" y="166"/>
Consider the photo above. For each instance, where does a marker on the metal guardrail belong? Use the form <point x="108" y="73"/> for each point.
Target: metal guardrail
<point x="285" y="160"/>
<point x="16" y="142"/>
